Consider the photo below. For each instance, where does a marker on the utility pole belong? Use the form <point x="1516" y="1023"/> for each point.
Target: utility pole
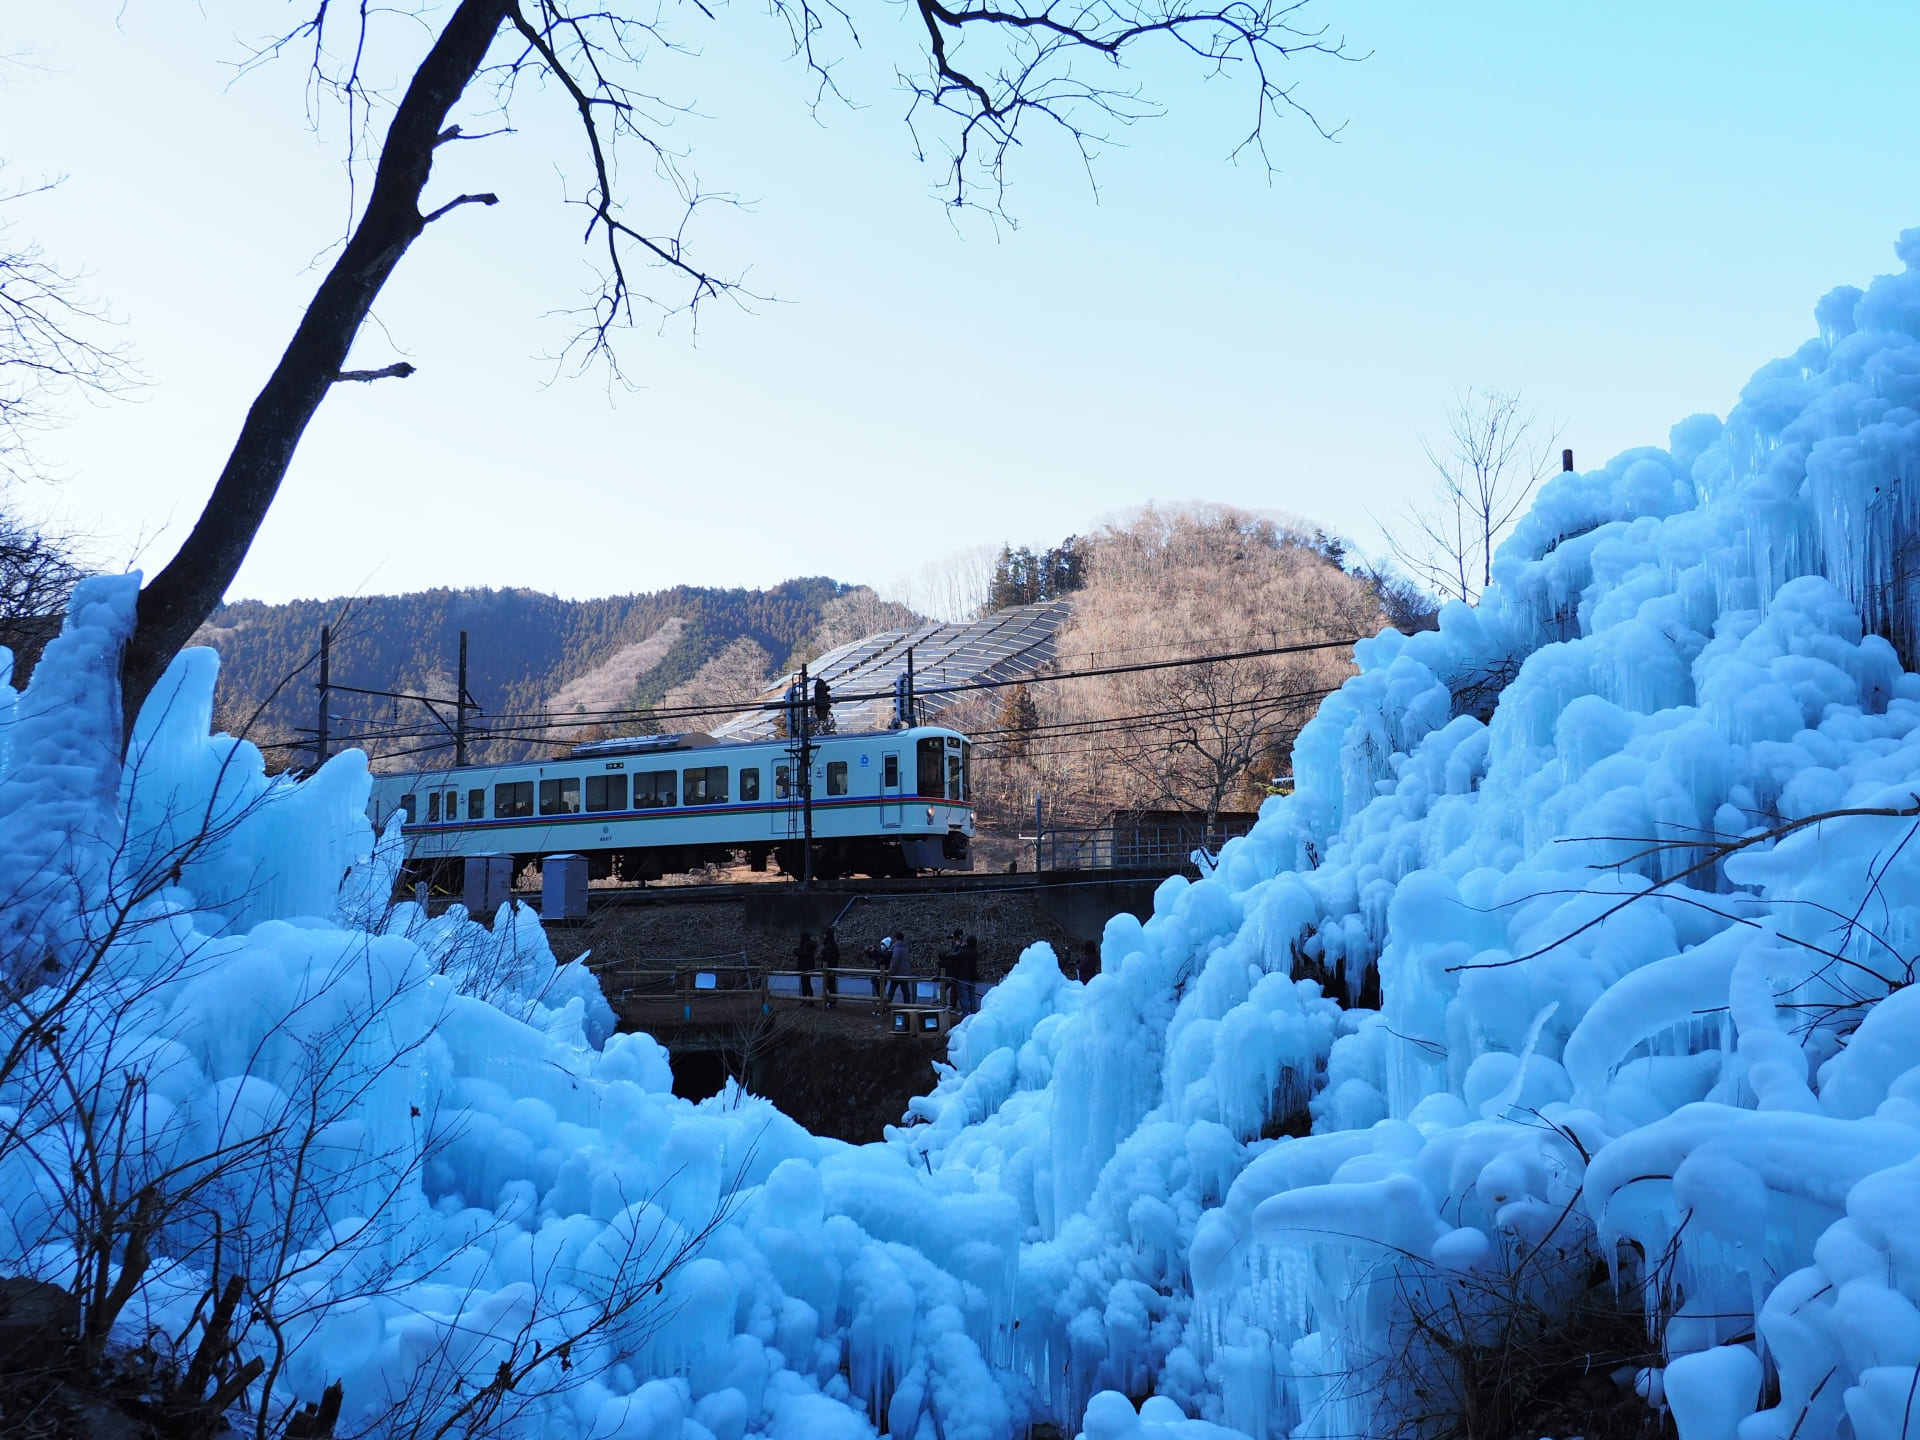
<point x="1039" y="827"/>
<point x="806" y="782"/>
<point x="913" y="710"/>
<point x="320" y="734"/>
<point x="460" y="710"/>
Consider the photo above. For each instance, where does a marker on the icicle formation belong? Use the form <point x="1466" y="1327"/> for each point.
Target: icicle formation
<point x="1603" y="1047"/>
<point x="1609" y="1047"/>
<point x="413" y="1139"/>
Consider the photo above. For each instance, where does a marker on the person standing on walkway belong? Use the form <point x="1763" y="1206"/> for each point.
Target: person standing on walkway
<point x="803" y="962"/>
<point x="966" y="971"/>
<point x="829" y="962"/>
<point x="949" y="959"/>
<point x="900" y="970"/>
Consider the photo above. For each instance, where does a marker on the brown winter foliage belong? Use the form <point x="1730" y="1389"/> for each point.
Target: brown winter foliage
<point x="1165" y="584"/>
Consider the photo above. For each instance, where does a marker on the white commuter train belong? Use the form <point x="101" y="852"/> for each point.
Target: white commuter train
<point x="889" y="802"/>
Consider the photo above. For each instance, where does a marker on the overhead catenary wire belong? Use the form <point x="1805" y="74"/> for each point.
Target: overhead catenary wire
<point x="535" y="730"/>
<point x="1037" y="677"/>
<point x="994" y="734"/>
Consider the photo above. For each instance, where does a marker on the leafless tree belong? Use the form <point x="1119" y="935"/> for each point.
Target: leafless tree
<point x="51" y="347"/>
<point x="1224" y="719"/>
<point x="1214" y="580"/>
<point x="951" y="589"/>
<point x="38" y="569"/>
<point x="860" y="612"/>
<point x="1485" y="472"/>
<point x="51" y="343"/>
<point x="986" y="76"/>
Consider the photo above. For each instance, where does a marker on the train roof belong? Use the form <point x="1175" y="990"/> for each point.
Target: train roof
<point x="642" y="745"/>
<point x="679" y="744"/>
<point x="700" y="740"/>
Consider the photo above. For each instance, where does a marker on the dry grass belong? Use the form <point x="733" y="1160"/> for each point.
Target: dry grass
<point x="1527" y="1350"/>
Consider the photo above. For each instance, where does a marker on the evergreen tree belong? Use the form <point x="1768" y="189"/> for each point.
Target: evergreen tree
<point x="1018" y="717"/>
<point x="1022" y="578"/>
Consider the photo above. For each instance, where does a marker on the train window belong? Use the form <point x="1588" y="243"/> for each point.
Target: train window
<point x="560" y="797"/>
<point x="433" y="807"/>
<point x="836" y="777"/>
<point x="654" y="789"/>
<point x="408" y="803"/>
<point x="890" y="776"/>
<point x="782" y="782"/>
<point x="953" y="775"/>
<point x="513" y="800"/>
<point x="931" y="767"/>
<point x="966" y="771"/>
<point x="606" y="792"/>
<point x="705" y="786"/>
<point x="749" y="783"/>
<point x="476" y="804"/>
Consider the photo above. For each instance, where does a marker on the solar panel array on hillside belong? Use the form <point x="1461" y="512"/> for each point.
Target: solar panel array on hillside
<point x="1003" y="646"/>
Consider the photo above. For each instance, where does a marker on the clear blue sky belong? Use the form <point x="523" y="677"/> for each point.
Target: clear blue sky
<point x="1622" y="208"/>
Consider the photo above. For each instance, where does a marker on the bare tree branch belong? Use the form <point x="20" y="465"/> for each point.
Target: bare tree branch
<point x="987" y="68"/>
<point x="399" y="370"/>
<point x="1485" y="473"/>
<point x="49" y="344"/>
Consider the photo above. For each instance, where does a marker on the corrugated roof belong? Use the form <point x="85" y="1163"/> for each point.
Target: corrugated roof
<point x="1002" y="646"/>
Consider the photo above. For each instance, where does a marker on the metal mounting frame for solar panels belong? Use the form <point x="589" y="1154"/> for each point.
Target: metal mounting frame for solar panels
<point x="1002" y="646"/>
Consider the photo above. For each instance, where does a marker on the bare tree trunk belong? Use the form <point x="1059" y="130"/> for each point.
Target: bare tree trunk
<point x="182" y="595"/>
<point x="595" y="37"/>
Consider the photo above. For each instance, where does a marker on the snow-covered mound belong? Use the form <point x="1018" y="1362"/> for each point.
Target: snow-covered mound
<point x="1646" y="1023"/>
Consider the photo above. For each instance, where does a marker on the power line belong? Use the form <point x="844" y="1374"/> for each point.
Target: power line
<point x="653" y="712"/>
<point x="1144" y="720"/>
<point x="530" y="733"/>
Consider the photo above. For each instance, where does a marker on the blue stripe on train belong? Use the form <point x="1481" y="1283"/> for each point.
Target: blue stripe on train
<point x="605" y="817"/>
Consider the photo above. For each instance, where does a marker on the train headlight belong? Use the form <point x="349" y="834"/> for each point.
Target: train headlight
<point x="929" y="814"/>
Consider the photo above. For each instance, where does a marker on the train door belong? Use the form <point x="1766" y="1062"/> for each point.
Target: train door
<point x="891" y="810"/>
<point x="786" y="792"/>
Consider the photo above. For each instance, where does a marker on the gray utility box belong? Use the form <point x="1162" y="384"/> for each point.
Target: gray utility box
<point x="563" y="887"/>
<point x="489" y="883"/>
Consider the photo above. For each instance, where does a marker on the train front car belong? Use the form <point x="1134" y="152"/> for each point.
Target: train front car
<point x="890" y="802"/>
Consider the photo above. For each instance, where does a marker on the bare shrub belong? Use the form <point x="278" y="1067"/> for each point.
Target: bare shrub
<point x="208" y="1144"/>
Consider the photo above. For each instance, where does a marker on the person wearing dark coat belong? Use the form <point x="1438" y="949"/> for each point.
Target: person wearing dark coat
<point x="965" y="969"/>
<point x="949" y="959"/>
<point x="1089" y="961"/>
<point x="803" y="954"/>
<point x="899" y="970"/>
<point x="829" y="962"/>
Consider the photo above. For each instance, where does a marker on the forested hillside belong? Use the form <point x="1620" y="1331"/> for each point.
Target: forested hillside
<point x="1155" y="585"/>
<point x="528" y="653"/>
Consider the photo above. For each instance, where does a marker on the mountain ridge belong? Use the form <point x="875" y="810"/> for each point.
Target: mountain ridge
<point x="529" y="653"/>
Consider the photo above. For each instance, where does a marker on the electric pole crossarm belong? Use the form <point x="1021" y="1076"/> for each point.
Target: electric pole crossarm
<point x="462" y="703"/>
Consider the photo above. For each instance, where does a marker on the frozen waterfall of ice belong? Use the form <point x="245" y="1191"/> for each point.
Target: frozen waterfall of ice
<point x="1600" y="1044"/>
